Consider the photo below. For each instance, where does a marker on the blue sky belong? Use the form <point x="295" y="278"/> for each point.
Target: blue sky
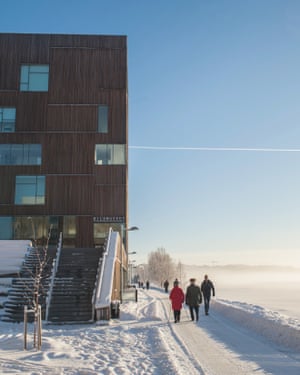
<point x="202" y="74"/>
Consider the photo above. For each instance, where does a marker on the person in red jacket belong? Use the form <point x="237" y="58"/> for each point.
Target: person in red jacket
<point x="177" y="299"/>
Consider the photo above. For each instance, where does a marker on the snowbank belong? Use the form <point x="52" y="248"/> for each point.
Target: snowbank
<point x="281" y="330"/>
<point x="12" y="255"/>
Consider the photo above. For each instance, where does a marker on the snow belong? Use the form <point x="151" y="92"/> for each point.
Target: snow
<point x="236" y="338"/>
<point x="279" y="329"/>
<point x="105" y="285"/>
<point x="12" y="255"/>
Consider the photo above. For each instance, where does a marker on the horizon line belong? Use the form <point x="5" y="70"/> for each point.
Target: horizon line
<point x="245" y="149"/>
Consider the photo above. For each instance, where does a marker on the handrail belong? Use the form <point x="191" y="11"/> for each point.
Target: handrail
<point x="53" y="275"/>
<point x="100" y="273"/>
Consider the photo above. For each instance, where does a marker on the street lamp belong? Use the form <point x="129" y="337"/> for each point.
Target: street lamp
<point x="131" y="229"/>
<point x="130" y="265"/>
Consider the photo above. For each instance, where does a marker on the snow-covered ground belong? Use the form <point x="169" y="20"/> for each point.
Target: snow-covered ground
<point x="274" y="288"/>
<point x="235" y="338"/>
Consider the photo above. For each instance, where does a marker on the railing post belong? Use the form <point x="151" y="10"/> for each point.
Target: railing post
<point x="25" y="327"/>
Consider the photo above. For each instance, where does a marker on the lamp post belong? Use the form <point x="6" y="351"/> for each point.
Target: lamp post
<point x="130" y="267"/>
<point x="129" y="229"/>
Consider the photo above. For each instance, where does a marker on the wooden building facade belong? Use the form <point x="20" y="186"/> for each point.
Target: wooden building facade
<point x="63" y="136"/>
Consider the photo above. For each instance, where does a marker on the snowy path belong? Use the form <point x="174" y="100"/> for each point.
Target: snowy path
<point x="221" y="347"/>
<point x="144" y="342"/>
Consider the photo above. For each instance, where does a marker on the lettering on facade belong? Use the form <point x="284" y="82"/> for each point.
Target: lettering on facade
<point x="108" y="219"/>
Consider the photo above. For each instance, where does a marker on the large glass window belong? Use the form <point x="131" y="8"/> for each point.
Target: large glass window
<point x="34" y="78"/>
<point x="6" y="227"/>
<point x="7" y="119"/>
<point x="110" y="154"/>
<point x="103" y="119"/>
<point x="30" y="190"/>
<point x="101" y="231"/>
<point x="69" y="227"/>
<point x="20" y="154"/>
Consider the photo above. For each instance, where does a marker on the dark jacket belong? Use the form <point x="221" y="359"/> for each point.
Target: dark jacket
<point x="206" y="287"/>
<point x="177" y="298"/>
<point x="193" y="295"/>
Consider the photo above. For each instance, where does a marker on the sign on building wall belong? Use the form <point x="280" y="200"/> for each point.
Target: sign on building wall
<point x="108" y="219"/>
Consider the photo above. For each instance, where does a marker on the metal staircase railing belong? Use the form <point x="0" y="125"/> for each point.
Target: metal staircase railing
<point x="54" y="271"/>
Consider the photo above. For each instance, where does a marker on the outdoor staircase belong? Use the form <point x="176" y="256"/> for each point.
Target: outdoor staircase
<point x="21" y="292"/>
<point x="74" y="283"/>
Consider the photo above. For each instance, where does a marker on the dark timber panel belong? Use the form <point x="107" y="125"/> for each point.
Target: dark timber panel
<point x="70" y="194"/>
<point x="31" y="112"/>
<point x="72" y="118"/>
<point x="74" y="153"/>
<point x="16" y="49"/>
<point x="85" y="72"/>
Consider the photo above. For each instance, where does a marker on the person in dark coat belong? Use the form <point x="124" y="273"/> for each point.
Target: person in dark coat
<point x="177" y="299"/>
<point x="166" y="286"/>
<point x="206" y="288"/>
<point x="193" y="298"/>
<point x="147" y="284"/>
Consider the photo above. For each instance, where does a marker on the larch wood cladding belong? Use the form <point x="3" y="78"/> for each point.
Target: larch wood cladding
<point x="85" y="71"/>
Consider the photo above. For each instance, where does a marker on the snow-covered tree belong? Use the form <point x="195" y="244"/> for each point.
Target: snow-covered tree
<point x="160" y="266"/>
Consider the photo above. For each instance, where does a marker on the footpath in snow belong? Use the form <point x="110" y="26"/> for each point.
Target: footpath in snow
<point x="234" y="339"/>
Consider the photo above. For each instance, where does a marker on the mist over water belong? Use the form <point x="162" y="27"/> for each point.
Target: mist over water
<point x="274" y="288"/>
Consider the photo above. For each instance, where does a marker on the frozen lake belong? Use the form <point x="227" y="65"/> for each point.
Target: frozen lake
<point x="283" y="298"/>
<point x="276" y="289"/>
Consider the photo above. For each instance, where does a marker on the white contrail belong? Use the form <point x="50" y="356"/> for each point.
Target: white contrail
<point x="215" y="149"/>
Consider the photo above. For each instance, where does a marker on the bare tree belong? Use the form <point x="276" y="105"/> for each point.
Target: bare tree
<point x="34" y="294"/>
<point x="160" y="266"/>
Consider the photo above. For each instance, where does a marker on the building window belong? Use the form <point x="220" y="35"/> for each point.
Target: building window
<point x="7" y="120"/>
<point x="30" y="190"/>
<point x="34" y="78"/>
<point x="101" y="231"/>
<point x="20" y="154"/>
<point x="110" y="154"/>
<point x="6" y="228"/>
<point x="69" y="227"/>
<point x="103" y="119"/>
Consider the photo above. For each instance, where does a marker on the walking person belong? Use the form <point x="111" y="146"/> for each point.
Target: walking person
<point x="206" y="288"/>
<point x="193" y="299"/>
<point x="166" y="286"/>
<point x="177" y="299"/>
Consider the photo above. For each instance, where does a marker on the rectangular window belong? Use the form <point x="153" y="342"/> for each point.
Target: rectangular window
<point x="69" y="227"/>
<point x="103" y="119"/>
<point x="20" y="154"/>
<point x="34" y="78"/>
<point x="6" y="225"/>
<point x="110" y="155"/>
<point x="30" y="190"/>
<point x="7" y="120"/>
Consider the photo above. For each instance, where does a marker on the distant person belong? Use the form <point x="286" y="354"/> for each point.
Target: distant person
<point x="177" y="299"/>
<point x="206" y="288"/>
<point x="166" y="286"/>
<point x="175" y="281"/>
<point x="147" y="284"/>
<point x="193" y="298"/>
